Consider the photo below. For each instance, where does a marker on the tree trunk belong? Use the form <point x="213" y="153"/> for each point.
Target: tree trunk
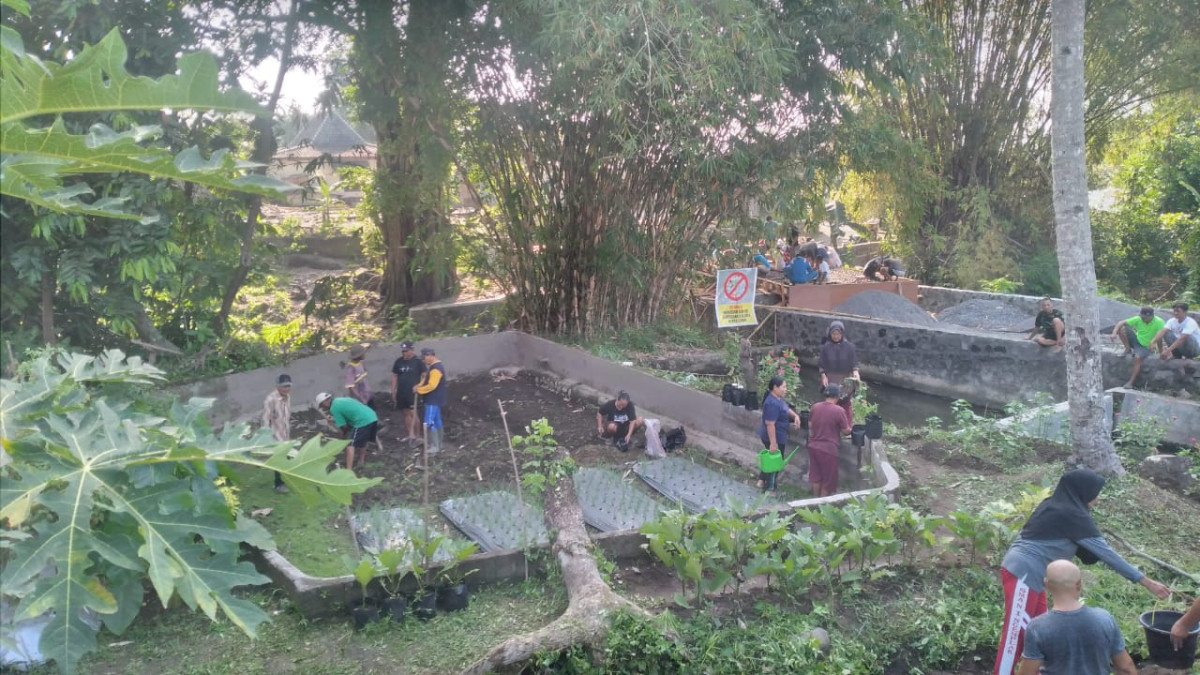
<point x="264" y="149"/>
<point x="47" y="305"/>
<point x="1090" y="440"/>
<point x="590" y="601"/>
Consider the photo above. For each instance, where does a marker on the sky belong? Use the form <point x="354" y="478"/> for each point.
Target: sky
<point x="299" y="86"/>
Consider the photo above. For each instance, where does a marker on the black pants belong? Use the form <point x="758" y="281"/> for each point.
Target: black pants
<point x="768" y="479"/>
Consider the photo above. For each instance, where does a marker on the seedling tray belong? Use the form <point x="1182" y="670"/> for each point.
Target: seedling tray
<point x="397" y="523"/>
<point x="496" y="520"/>
<point x="697" y="488"/>
<point x="610" y="503"/>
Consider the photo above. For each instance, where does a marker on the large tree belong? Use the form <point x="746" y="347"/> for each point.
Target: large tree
<point x="1090" y="439"/>
<point x="612" y="139"/>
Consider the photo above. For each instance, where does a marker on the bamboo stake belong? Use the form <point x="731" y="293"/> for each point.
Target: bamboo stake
<point x="516" y="474"/>
<point x="1161" y="563"/>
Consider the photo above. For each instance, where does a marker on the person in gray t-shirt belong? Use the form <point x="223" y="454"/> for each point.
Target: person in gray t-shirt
<point x="1072" y="639"/>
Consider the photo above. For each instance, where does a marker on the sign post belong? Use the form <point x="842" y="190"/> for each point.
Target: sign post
<point x="735" y="297"/>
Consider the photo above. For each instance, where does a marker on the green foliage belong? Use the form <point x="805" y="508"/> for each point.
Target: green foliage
<point x="999" y="285"/>
<point x="786" y="365"/>
<point x="106" y="496"/>
<point x="36" y="159"/>
<point x="977" y="436"/>
<point x="545" y="467"/>
<point x="1152" y="240"/>
<point x="1137" y="436"/>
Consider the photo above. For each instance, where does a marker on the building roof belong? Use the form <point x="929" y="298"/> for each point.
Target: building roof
<point x="329" y="133"/>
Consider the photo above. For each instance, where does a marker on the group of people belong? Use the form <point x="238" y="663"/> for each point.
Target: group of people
<point x="354" y="415"/>
<point x="828" y="420"/>
<point x="1071" y="637"/>
<point x="1141" y="335"/>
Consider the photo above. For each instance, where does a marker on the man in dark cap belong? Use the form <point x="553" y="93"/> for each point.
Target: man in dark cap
<point x="277" y="416"/>
<point x="406" y="374"/>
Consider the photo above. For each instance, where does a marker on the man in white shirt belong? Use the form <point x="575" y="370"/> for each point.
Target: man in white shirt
<point x="1180" y="337"/>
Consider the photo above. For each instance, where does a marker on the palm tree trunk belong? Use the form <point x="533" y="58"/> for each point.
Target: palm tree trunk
<point x="1090" y="440"/>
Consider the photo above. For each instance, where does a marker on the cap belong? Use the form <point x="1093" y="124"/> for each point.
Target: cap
<point x="284" y="380"/>
<point x="428" y="351"/>
<point x="357" y="352"/>
<point x="833" y="390"/>
<point x="406" y="345"/>
<point x="322" y="397"/>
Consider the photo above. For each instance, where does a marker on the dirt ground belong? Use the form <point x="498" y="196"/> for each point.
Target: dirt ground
<point x="475" y="456"/>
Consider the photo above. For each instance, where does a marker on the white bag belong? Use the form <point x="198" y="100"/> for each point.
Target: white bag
<point x="654" y="446"/>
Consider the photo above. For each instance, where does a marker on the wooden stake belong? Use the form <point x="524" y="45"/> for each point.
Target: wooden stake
<point x="480" y="475"/>
<point x="516" y="474"/>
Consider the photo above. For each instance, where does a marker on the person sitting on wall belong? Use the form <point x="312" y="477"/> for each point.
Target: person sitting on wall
<point x="800" y="271"/>
<point x="1048" y="322"/>
<point x="883" y="269"/>
<point x="617" y="420"/>
<point x="1180" y="337"/>
<point x="1137" y="335"/>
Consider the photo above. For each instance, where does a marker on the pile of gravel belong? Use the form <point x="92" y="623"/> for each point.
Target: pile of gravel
<point x="984" y="314"/>
<point x="886" y="306"/>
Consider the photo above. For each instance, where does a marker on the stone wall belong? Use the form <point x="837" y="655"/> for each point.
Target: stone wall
<point x="449" y="315"/>
<point x="984" y="368"/>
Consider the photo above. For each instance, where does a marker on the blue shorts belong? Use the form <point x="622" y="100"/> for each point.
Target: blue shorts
<point x="433" y="416"/>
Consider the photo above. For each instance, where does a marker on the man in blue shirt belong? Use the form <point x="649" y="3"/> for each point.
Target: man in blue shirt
<point x="1073" y="639"/>
<point x="800" y="271"/>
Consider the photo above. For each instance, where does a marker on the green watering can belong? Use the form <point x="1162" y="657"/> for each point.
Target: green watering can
<point x="773" y="462"/>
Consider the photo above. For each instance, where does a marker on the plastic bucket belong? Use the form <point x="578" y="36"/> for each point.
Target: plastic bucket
<point x="858" y="435"/>
<point x="874" y="427"/>
<point x="1157" y="624"/>
<point x="804" y="414"/>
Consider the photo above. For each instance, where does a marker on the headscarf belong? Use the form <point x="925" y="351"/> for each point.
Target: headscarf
<point x="1065" y="514"/>
<point x="835" y="325"/>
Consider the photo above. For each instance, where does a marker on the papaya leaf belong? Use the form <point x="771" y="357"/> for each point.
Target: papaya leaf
<point x="98" y="497"/>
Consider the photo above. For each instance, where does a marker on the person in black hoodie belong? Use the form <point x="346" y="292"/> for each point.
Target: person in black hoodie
<point x="838" y="363"/>
<point x="1060" y="528"/>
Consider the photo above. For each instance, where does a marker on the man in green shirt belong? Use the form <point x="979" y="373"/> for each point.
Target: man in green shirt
<point x="355" y="420"/>
<point x="1137" y="334"/>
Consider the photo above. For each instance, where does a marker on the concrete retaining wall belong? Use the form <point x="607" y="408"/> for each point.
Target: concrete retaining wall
<point x="438" y="317"/>
<point x="981" y="367"/>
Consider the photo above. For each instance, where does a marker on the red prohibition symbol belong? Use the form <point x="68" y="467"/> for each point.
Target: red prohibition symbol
<point x="736" y="285"/>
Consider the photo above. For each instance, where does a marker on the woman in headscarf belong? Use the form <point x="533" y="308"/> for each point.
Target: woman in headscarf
<point x="839" y="362"/>
<point x="1060" y="528"/>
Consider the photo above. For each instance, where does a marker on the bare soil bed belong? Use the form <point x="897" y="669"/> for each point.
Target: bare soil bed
<point x="475" y="456"/>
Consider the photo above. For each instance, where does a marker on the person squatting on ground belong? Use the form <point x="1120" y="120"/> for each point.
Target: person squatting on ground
<point x="1180" y="336"/>
<point x="277" y="416"/>
<point x="773" y="432"/>
<point x="617" y="420"/>
<point x="827" y="423"/>
<point x="1185" y="624"/>
<point x="355" y="420"/>
<point x="433" y="388"/>
<point x="800" y="271"/>
<point x="1049" y="323"/>
<point x="838" y="363"/>
<point x="760" y="260"/>
<point x="406" y="374"/>
<point x="1073" y="639"/>
<point x="883" y="269"/>
<point x="356" y="377"/>
<point x="1137" y="334"/>
<point x="1060" y="528"/>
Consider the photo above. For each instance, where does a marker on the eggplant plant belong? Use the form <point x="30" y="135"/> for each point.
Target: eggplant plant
<point x="364" y="571"/>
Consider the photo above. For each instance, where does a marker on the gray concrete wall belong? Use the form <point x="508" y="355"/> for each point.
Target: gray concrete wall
<point x="981" y="367"/>
<point x="1178" y="420"/>
<point x="239" y="397"/>
<point x="438" y="317"/>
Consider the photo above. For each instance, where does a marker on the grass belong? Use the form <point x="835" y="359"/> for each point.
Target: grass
<point x="181" y="642"/>
<point x="314" y="538"/>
